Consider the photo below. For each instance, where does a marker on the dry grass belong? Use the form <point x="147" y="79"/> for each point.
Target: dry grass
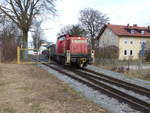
<point x="144" y="74"/>
<point x="28" y="89"/>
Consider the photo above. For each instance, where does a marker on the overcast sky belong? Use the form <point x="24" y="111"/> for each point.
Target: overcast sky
<point x="119" y="12"/>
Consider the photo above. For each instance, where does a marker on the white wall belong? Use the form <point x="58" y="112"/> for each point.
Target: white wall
<point x="135" y="46"/>
<point x="108" y="38"/>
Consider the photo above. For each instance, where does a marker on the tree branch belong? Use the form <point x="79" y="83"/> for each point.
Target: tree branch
<point x="10" y="16"/>
<point x="14" y="10"/>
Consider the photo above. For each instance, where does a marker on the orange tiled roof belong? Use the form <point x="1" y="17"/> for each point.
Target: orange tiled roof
<point x="122" y="30"/>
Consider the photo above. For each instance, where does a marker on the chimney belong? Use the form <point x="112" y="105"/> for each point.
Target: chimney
<point x="135" y="25"/>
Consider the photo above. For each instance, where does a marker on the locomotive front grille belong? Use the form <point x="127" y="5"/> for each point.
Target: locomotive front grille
<point x="81" y="60"/>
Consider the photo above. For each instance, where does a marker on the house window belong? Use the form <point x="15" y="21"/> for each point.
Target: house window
<point x="125" y="52"/>
<point x="131" y="42"/>
<point x="131" y="52"/>
<point x="143" y="41"/>
<point x="125" y="41"/>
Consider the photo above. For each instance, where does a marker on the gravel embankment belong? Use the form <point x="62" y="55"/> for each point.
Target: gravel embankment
<point x="111" y="104"/>
<point x="140" y="82"/>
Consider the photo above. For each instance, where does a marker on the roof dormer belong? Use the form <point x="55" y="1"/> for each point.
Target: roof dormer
<point x="142" y="32"/>
<point x="132" y="31"/>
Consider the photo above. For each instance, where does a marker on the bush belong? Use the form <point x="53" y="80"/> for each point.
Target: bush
<point x="9" y="50"/>
<point x="110" y="52"/>
<point x="147" y="55"/>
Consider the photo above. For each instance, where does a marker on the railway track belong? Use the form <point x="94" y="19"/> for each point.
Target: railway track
<point x="96" y="84"/>
<point x="120" y="83"/>
<point x="96" y="81"/>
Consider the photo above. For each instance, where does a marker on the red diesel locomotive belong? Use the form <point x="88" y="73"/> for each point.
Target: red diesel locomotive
<point x="72" y="50"/>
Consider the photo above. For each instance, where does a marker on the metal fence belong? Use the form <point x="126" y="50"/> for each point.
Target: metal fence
<point x="31" y="56"/>
<point x="125" y="65"/>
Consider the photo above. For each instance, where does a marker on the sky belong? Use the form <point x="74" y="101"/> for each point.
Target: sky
<point x="121" y="12"/>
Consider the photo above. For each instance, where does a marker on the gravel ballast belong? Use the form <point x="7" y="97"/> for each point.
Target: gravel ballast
<point x="121" y="76"/>
<point x="111" y="104"/>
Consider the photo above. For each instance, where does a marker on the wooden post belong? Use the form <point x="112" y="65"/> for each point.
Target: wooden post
<point x="18" y="55"/>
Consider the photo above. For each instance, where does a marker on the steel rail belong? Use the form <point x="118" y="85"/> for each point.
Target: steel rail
<point x="120" y="83"/>
<point x="135" y="103"/>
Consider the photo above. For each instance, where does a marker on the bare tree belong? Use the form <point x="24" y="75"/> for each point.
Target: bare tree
<point x="9" y="28"/>
<point x="8" y="45"/>
<point x="22" y="12"/>
<point x="64" y="30"/>
<point x="75" y="30"/>
<point x="37" y="35"/>
<point x="92" y="21"/>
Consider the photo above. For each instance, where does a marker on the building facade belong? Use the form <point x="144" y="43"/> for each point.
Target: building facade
<point x="129" y="39"/>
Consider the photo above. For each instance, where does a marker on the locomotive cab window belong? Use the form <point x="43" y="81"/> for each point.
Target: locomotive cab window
<point x="79" y="41"/>
<point x="61" y="38"/>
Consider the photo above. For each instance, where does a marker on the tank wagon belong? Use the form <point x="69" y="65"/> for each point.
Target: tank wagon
<point x="71" y="50"/>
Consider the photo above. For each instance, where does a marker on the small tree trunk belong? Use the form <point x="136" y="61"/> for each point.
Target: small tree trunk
<point x="24" y="53"/>
<point x="25" y="39"/>
<point x="93" y="43"/>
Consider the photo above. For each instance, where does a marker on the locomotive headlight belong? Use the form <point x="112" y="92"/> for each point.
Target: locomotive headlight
<point x="92" y="56"/>
<point x="68" y="58"/>
<point x="92" y="53"/>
